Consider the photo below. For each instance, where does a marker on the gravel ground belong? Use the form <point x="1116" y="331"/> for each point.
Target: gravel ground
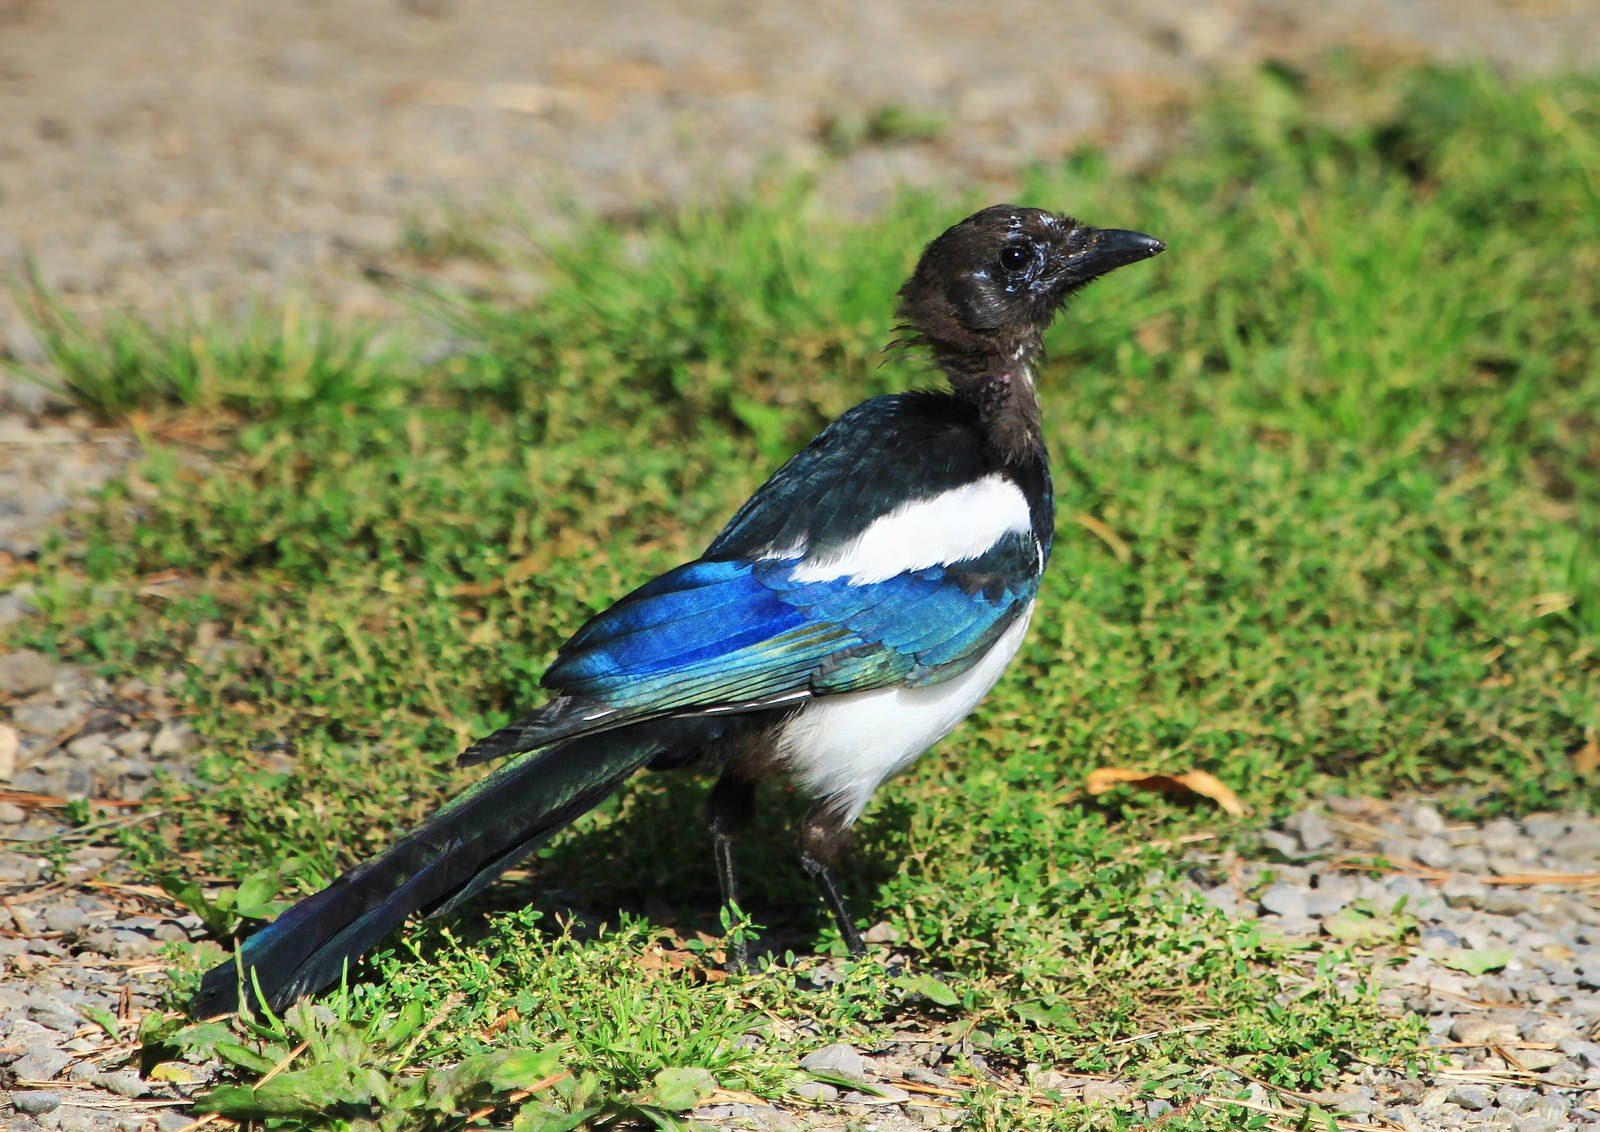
<point x="205" y="153"/>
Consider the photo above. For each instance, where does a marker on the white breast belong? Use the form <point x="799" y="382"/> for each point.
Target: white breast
<point x="841" y="748"/>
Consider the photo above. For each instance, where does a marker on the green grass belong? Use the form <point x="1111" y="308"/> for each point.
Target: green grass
<point x="1329" y="501"/>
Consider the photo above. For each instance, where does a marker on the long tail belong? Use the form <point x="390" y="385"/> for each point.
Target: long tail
<point x="463" y="847"/>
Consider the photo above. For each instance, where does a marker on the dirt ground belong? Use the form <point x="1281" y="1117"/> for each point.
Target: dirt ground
<point x="187" y="148"/>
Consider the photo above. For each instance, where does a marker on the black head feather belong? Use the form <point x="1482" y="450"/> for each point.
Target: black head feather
<point x="985" y="291"/>
<point x="994" y="282"/>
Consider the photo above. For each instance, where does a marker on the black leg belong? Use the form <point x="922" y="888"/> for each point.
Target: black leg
<point x="819" y="874"/>
<point x="731" y="805"/>
<point x="822" y="840"/>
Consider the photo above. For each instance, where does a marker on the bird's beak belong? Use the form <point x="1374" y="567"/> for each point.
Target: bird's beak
<point x="1105" y="249"/>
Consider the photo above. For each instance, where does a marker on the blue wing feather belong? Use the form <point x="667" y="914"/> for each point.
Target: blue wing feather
<point x="736" y="626"/>
<point x="713" y="632"/>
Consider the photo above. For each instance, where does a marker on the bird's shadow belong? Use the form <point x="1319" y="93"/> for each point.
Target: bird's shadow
<point x="649" y="855"/>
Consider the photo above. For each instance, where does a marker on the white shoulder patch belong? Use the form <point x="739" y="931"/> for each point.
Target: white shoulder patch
<point x="950" y="527"/>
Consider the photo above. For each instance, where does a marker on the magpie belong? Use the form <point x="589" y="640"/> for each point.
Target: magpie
<point x="847" y="618"/>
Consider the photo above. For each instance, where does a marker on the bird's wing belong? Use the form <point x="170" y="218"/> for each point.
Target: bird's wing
<point x="890" y="551"/>
<point x="715" y="633"/>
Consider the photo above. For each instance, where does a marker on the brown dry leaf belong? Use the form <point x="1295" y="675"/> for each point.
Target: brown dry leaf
<point x="1586" y="759"/>
<point x="1194" y="782"/>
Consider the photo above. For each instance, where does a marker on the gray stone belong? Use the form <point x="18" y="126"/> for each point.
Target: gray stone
<point x="1483" y="1029"/>
<point x="132" y="742"/>
<point x="1553" y="1104"/>
<point x="1500" y="834"/>
<point x="1311" y="829"/>
<point x="1546" y="829"/>
<point x="95" y="748"/>
<point x="1426" y="820"/>
<point x="47" y="719"/>
<point x="839" y="1059"/>
<point x="17" y="603"/>
<point x="1537" y="1124"/>
<point x="1222" y="897"/>
<point x="1513" y="862"/>
<point x="1550" y="1030"/>
<point x="1515" y="1099"/>
<point x="64" y="918"/>
<point x="929" y="1116"/>
<point x="171" y="739"/>
<point x="1281" y="843"/>
<point x="1319" y="903"/>
<point x="56" y="1017"/>
<point x="10" y="744"/>
<point x="1472" y="1097"/>
<point x="170" y="931"/>
<point x="42" y="1061"/>
<point x="880" y="1093"/>
<point x="1104" y="1092"/>
<point x="1435" y="853"/>
<point x="1357" y="1101"/>
<point x="819" y="1091"/>
<point x="1585" y="1054"/>
<point x="1538" y="1060"/>
<point x="25" y="672"/>
<point x="35" y="1101"/>
<point x="1286" y="900"/>
<point x="1156" y="1108"/>
<point x="1464" y="892"/>
<point x="1582" y="842"/>
<point x="1438" y="939"/>
<point x="1397" y="848"/>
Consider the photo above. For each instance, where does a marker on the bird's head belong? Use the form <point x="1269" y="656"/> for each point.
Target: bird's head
<point x="989" y="287"/>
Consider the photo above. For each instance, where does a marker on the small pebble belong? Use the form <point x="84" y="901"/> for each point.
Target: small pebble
<point x="1104" y="1092"/>
<point x="35" y="1102"/>
<point x="1483" y="1029"/>
<point x="1537" y="1124"/>
<point x="880" y="1093"/>
<point x="1471" y="1097"/>
<point x="171" y="739"/>
<point x="1426" y="820"/>
<point x="1286" y="900"/>
<point x="819" y="1091"/>
<point x="1311" y="829"/>
<point x="839" y="1059"/>
<point x="1516" y="1099"/>
<point x="23" y="673"/>
<point x="10" y="744"/>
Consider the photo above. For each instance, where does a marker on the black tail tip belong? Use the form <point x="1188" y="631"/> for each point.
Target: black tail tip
<point x="222" y="991"/>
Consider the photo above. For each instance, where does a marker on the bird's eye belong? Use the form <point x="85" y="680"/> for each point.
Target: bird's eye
<point x="1016" y="257"/>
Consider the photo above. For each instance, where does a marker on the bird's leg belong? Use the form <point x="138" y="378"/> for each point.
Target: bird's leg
<point x="822" y="839"/>
<point x="731" y="806"/>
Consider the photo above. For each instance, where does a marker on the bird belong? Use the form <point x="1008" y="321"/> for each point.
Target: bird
<point x="846" y="619"/>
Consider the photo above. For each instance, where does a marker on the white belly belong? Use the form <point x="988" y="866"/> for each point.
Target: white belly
<point x="841" y="748"/>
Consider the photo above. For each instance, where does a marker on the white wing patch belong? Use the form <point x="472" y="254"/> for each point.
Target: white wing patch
<point x="950" y="527"/>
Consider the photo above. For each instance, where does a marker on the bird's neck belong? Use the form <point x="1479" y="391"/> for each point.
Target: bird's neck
<point x="999" y="388"/>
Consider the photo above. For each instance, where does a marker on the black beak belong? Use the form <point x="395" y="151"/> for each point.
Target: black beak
<point x="1106" y="249"/>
